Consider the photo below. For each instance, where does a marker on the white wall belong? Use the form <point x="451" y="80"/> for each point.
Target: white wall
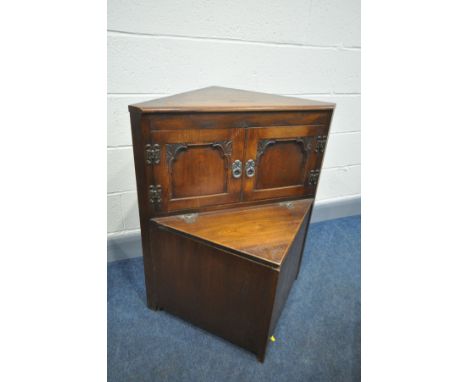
<point x="304" y="48"/>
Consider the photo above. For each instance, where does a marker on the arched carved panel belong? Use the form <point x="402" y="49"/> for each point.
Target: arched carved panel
<point x="281" y="162"/>
<point x="198" y="169"/>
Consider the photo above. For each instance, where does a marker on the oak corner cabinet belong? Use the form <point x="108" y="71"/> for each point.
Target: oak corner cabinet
<point x="226" y="183"/>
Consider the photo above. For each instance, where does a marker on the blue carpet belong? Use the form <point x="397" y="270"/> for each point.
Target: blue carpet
<point x="317" y="336"/>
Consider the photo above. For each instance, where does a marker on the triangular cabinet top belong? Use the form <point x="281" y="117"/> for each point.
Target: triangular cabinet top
<point x="219" y="99"/>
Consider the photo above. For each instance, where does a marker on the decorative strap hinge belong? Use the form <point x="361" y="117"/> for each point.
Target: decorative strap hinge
<point x="155" y="194"/>
<point x="153" y="154"/>
<point x="320" y="143"/>
<point x="313" y="177"/>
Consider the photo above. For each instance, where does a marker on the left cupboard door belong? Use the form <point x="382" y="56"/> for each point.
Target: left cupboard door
<point x="195" y="168"/>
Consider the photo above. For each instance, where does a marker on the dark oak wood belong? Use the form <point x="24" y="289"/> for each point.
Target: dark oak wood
<point x="284" y="157"/>
<point x="192" y="155"/>
<point x="262" y="233"/>
<point x="140" y="136"/>
<point x="289" y="270"/>
<point x="234" y="280"/>
<point x="195" y="167"/>
<point x="241" y="119"/>
<point x="214" y="289"/>
<point x="216" y="99"/>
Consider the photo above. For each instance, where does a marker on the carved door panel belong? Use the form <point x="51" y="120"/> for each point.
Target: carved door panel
<point x="197" y="168"/>
<point x="283" y="161"/>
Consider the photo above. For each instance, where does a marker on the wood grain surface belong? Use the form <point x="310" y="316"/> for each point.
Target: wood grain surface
<point x="263" y="233"/>
<point x="217" y="99"/>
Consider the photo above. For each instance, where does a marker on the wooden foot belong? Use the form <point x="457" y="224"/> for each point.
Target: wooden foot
<point x="261" y="354"/>
<point x="153" y="306"/>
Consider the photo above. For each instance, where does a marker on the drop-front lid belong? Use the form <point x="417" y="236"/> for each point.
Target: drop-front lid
<point x="261" y="233"/>
<point x="220" y="99"/>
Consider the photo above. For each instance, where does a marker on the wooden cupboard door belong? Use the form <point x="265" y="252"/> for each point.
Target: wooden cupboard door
<point x="196" y="167"/>
<point x="283" y="161"/>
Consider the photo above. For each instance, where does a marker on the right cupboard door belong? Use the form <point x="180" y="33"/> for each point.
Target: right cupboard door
<point x="283" y="161"/>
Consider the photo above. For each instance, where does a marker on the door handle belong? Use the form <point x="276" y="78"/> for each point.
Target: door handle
<point x="236" y="169"/>
<point x="250" y="168"/>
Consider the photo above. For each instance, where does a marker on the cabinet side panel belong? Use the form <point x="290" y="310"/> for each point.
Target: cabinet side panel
<point x="288" y="272"/>
<point x="140" y="137"/>
<point x="220" y="292"/>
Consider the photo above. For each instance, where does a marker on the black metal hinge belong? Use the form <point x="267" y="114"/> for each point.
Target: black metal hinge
<point x="155" y="194"/>
<point x="320" y="143"/>
<point x="313" y="177"/>
<point x="153" y="154"/>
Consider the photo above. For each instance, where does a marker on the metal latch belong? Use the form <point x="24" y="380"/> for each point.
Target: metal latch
<point x="189" y="218"/>
<point x="155" y="194"/>
<point x="287" y="204"/>
<point x="313" y="177"/>
<point x="320" y="143"/>
<point x="153" y="154"/>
